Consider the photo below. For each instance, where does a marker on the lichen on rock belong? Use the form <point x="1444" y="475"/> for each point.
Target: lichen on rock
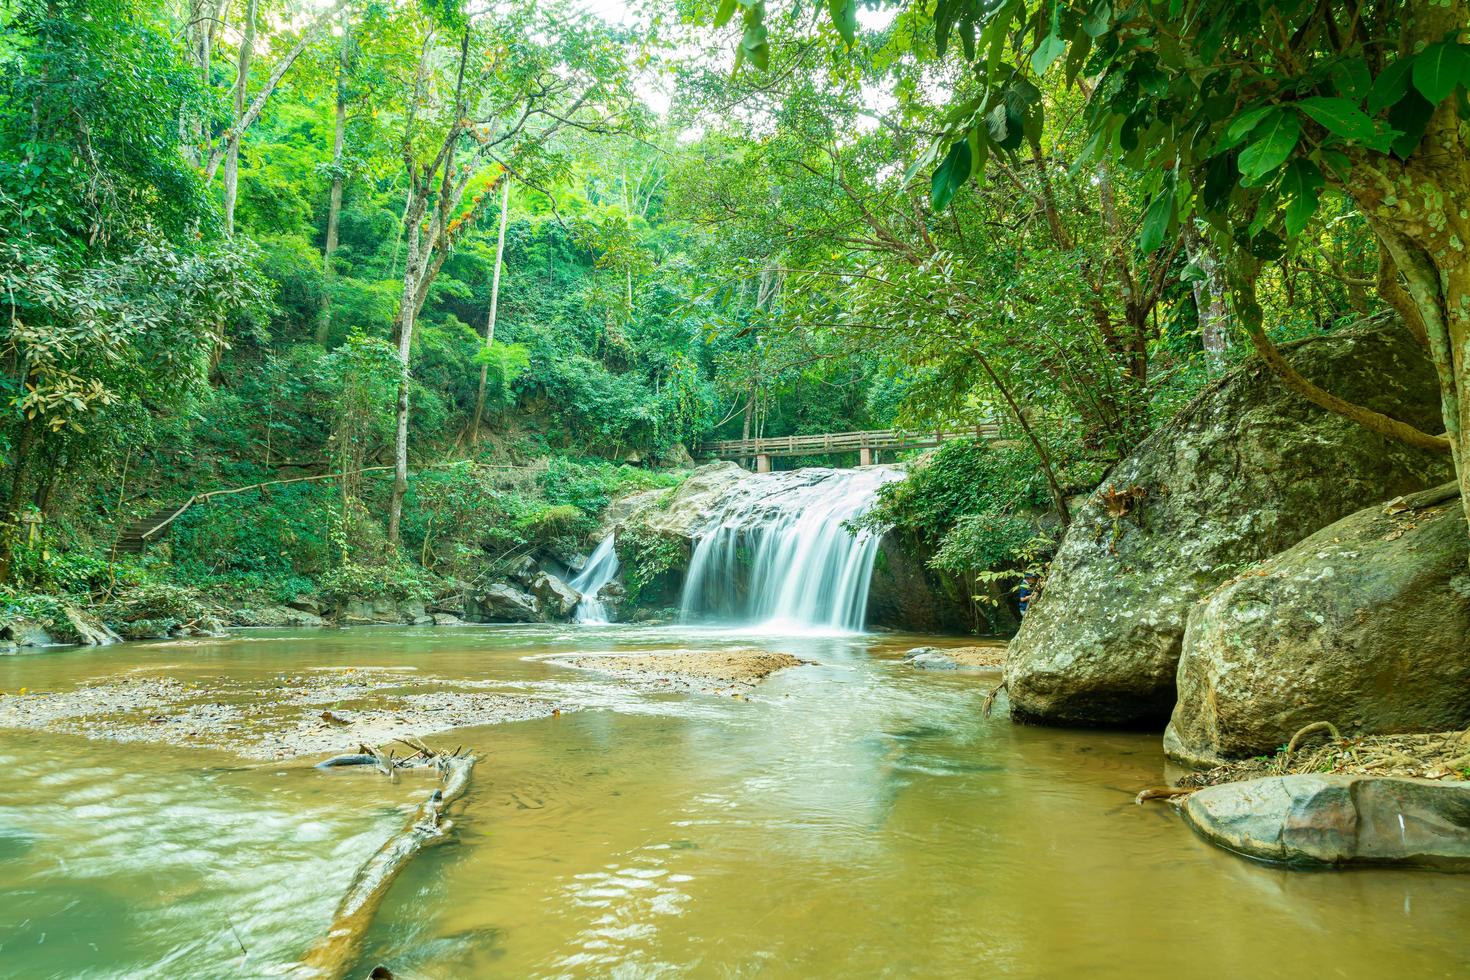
<point x="1246" y="470"/>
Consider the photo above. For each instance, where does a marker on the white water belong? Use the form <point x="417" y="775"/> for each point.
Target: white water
<point x="777" y="554"/>
<point x="598" y="571"/>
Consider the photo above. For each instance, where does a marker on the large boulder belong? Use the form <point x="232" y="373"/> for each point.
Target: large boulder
<point x="1246" y="470"/>
<point x="1365" y="624"/>
<point x="502" y="603"/>
<point x="904" y="593"/>
<point x="557" y="597"/>
<point x="680" y="512"/>
<point x="1313" y="818"/>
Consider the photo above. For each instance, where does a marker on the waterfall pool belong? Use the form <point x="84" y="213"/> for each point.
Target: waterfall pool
<point x="850" y="817"/>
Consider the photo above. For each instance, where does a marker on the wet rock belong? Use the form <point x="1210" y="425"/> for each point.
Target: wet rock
<point x="904" y="593"/>
<point x="928" y="658"/>
<point x="86" y="630"/>
<point x="27" y="633"/>
<point x="1335" y="819"/>
<point x="306" y="604"/>
<point x="381" y="610"/>
<point x="276" y="616"/>
<point x="1245" y="471"/>
<point x="447" y="619"/>
<point x="682" y="512"/>
<point x="502" y="603"/>
<point x="558" y="599"/>
<point x="1365" y="624"/>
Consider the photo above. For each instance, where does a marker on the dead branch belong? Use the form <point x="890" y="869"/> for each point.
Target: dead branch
<point x="337" y="951"/>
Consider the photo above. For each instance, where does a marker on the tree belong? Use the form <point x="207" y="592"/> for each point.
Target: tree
<point x="1243" y="114"/>
<point x="503" y="100"/>
<point x="494" y="308"/>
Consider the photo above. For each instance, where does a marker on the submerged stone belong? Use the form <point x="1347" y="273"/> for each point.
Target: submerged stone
<point x="1309" y="819"/>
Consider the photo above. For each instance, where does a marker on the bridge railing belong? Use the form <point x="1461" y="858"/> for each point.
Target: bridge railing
<point x="837" y="442"/>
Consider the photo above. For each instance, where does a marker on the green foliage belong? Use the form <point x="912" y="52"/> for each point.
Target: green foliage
<point x="646" y="557"/>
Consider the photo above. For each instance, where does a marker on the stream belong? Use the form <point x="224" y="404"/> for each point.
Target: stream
<point x="852" y="816"/>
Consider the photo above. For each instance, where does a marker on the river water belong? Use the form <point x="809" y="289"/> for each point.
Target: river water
<point x="853" y="817"/>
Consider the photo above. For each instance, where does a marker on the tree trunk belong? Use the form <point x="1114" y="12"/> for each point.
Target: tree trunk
<point x="494" y="306"/>
<point x="418" y="249"/>
<point x="242" y="83"/>
<point x="1243" y="276"/>
<point x="21" y="467"/>
<point x="334" y="205"/>
<point x="1211" y="300"/>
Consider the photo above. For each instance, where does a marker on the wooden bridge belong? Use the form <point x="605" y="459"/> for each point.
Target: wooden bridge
<point x="866" y="444"/>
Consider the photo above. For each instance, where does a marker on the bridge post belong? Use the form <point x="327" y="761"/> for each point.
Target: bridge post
<point x="865" y="456"/>
<point x="763" y="463"/>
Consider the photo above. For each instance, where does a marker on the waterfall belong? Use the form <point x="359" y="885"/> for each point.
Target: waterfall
<point x="777" y="552"/>
<point x="598" y="571"/>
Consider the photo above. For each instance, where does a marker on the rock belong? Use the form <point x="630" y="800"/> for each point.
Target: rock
<point x="558" y="599"/>
<point x="277" y="616"/>
<point x="928" y="658"/>
<point x="27" y="633"/>
<point x="306" y="604"/>
<point x="87" y="630"/>
<point x="523" y="570"/>
<point x="382" y="610"/>
<point x="1365" y="624"/>
<point x="1246" y="470"/>
<point x="1312" y="818"/>
<point x="904" y="593"/>
<point x="447" y="619"/>
<point x="684" y="511"/>
<point x="502" y="603"/>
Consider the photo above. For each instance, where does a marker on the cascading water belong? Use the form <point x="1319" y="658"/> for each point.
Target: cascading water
<point x="599" y="570"/>
<point x="778" y="553"/>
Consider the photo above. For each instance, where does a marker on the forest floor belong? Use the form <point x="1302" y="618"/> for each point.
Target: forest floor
<point x="1431" y="755"/>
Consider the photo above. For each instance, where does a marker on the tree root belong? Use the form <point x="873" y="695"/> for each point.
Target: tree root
<point x="989" y="704"/>
<point x="1304" y="731"/>
<point x="336" y="952"/>
<point x="1170" y="793"/>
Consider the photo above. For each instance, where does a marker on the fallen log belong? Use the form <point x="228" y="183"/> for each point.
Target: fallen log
<point x="336" y="952"/>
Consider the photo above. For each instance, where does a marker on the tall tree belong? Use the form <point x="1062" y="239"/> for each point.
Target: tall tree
<point x="494" y="309"/>
<point x="499" y="106"/>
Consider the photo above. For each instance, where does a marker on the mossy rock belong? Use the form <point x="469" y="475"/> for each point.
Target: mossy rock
<point x="1248" y="469"/>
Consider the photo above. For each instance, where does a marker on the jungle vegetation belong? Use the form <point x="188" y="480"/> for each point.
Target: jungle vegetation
<point x="466" y="271"/>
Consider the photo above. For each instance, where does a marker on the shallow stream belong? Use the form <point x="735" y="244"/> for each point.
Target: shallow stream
<point x="853" y="817"/>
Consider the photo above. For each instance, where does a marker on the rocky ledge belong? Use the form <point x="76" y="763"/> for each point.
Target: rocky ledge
<point x="1326" y="819"/>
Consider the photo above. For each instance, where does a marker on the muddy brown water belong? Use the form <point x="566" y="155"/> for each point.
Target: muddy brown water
<point x="850" y="818"/>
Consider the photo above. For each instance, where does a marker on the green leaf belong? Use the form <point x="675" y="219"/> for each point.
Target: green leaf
<point x="1390" y="85"/>
<point x="1351" y="78"/>
<point x="1339" y="117"/>
<point x="951" y="175"/>
<point x="755" y="46"/>
<point x="1301" y="184"/>
<point x="1098" y="18"/>
<point x="1242" y="125"/>
<point x="1271" y="142"/>
<point x="1437" y="70"/>
<point x="844" y="17"/>
<point x="1156" y="221"/>
<point x="1047" y="52"/>
<point x="724" y="13"/>
<point x="1410" y="116"/>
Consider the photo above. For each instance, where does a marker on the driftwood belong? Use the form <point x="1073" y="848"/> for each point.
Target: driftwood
<point x="336" y="952"/>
